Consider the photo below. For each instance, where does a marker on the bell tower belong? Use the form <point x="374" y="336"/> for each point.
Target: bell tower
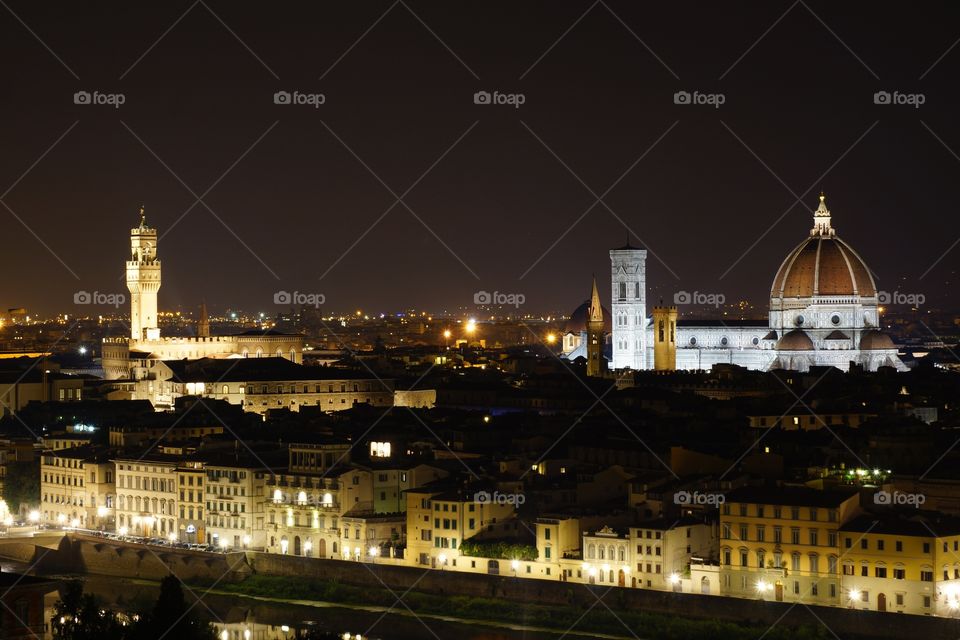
<point x="596" y="365"/>
<point x="628" y="282"/>
<point x="665" y="338"/>
<point x="143" y="281"/>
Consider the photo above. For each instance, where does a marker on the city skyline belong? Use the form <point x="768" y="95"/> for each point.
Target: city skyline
<point x="502" y="197"/>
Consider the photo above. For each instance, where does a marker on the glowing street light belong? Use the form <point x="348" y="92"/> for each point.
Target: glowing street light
<point x="551" y="338"/>
<point x="34" y="516"/>
<point x="763" y="586"/>
<point x="515" y="565"/>
<point x="122" y="531"/>
<point x="442" y="559"/>
<point x="172" y="536"/>
<point x="674" y="578"/>
<point x="471" y="327"/>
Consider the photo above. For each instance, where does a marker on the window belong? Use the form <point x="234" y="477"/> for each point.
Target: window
<point x="898" y="574"/>
<point x="880" y="572"/>
<point x="926" y="575"/>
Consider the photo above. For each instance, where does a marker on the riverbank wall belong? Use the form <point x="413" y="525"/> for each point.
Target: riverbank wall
<point x="82" y="554"/>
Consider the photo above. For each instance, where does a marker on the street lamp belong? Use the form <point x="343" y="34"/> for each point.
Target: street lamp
<point x="762" y="587"/>
<point x="515" y="564"/>
<point x="854" y="596"/>
<point x="374" y="552"/>
<point x="442" y="559"/>
<point x="34" y="516"/>
<point x="122" y="531"/>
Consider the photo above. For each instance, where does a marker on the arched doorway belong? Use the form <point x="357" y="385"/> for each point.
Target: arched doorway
<point x="322" y="549"/>
<point x="621" y="579"/>
<point x="881" y="602"/>
<point x="705" y="585"/>
<point x="296" y="545"/>
<point x="779" y="589"/>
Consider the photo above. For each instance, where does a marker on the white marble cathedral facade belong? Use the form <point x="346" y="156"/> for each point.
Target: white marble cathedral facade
<point x="824" y="311"/>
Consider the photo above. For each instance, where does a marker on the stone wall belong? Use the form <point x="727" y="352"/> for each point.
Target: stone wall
<point x="81" y="554"/>
<point x="845" y="623"/>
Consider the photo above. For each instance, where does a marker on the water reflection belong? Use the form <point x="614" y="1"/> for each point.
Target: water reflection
<point x="238" y="618"/>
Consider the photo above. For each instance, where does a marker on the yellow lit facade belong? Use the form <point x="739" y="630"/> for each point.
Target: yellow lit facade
<point x="783" y="544"/>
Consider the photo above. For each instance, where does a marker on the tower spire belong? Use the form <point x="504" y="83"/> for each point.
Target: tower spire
<point x="596" y="310"/>
<point x="143" y="218"/>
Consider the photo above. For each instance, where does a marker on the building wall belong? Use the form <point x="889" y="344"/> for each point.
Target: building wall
<point x="804" y="568"/>
<point x="147" y="494"/>
<point x="235" y="514"/>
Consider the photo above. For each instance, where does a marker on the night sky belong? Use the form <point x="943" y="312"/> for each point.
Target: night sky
<point x="290" y="194"/>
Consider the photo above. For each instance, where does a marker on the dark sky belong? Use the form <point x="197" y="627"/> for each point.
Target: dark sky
<point x="798" y="82"/>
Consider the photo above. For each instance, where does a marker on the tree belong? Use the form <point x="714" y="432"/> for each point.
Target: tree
<point x="80" y="616"/>
<point x="172" y="617"/>
<point x="22" y="484"/>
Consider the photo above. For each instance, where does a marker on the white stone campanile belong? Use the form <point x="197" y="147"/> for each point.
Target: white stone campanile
<point x="143" y="281"/>
<point x="628" y="282"/>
